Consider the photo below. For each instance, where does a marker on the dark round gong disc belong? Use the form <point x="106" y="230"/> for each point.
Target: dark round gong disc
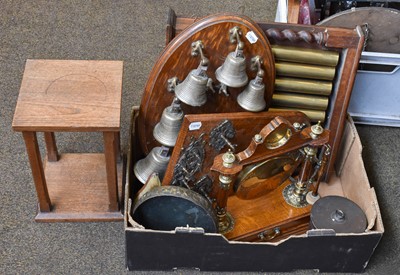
<point x="168" y="207"/>
<point x="339" y="214"/>
<point x="383" y="26"/>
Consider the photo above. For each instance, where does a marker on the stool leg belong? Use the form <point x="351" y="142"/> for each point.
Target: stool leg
<point x="110" y="150"/>
<point x="51" y="147"/>
<point x="118" y="147"/>
<point x="35" y="160"/>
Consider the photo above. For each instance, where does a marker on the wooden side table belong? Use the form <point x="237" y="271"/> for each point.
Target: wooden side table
<point x="73" y="96"/>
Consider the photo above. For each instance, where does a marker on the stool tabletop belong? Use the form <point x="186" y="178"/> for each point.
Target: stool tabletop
<point x="69" y="95"/>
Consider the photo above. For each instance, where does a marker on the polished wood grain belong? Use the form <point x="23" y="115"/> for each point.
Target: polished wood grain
<point x="78" y="187"/>
<point x="35" y="160"/>
<point x="73" y="96"/>
<point x="69" y="95"/>
<point x="110" y="153"/>
<point x="251" y="217"/>
<point x="246" y="125"/>
<point x="51" y="146"/>
<point x="176" y="60"/>
<point x="257" y="151"/>
<point x="347" y="42"/>
<point x="263" y="213"/>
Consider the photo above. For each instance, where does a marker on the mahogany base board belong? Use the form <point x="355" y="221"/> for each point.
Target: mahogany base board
<point x="252" y="217"/>
<point x="77" y="186"/>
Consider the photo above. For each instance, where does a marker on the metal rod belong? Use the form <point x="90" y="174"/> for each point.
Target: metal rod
<point x="305" y="71"/>
<point x="305" y="56"/>
<point x="313" y="115"/>
<point x="300" y="101"/>
<point x="304" y="86"/>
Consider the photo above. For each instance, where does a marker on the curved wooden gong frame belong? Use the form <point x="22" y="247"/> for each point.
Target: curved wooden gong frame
<point x="246" y="126"/>
<point x="176" y="60"/>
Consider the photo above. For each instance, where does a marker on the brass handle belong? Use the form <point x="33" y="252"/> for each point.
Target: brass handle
<point x="197" y="49"/>
<point x="270" y="234"/>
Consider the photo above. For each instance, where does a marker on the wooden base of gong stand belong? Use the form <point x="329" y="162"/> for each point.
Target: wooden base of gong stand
<point x="267" y="218"/>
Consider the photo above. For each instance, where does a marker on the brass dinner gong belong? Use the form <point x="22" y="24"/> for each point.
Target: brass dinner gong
<point x="168" y="207"/>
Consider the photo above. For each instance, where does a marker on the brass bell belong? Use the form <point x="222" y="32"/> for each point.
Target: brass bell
<point x="155" y="162"/>
<point x="232" y="73"/>
<point x="166" y="131"/>
<point x="192" y="91"/>
<point x="252" y="98"/>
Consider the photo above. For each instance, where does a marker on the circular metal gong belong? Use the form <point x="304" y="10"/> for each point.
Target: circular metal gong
<point x="279" y="137"/>
<point x="260" y="178"/>
<point x="383" y="32"/>
<point x="168" y="207"/>
<point x="339" y="214"/>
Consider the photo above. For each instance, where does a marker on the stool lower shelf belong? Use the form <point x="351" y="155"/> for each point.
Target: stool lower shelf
<point x="77" y="186"/>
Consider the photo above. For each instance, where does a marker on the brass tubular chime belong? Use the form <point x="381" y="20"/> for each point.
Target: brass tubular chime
<point x="303" y="80"/>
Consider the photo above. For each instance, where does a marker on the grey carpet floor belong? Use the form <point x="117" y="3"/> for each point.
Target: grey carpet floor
<point x="132" y="31"/>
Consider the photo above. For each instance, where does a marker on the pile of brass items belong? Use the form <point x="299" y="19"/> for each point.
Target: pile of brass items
<point x="259" y="193"/>
<point x="204" y="136"/>
<point x="192" y="91"/>
<point x="304" y="80"/>
<point x="264" y="186"/>
<point x="220" y="64"/>
<point x="276" y="200"/>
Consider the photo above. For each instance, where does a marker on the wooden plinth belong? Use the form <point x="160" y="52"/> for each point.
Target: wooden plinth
<point x="73" y="96"/>
<point x="264" y="214"/>
<point x="77" y="186"/>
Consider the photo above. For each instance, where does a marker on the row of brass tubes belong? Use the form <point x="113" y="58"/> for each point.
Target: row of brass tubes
<point x="314" y="115"/>
<point x="305" y="71"/>
<point x="304" y="86"/>
<point x="304" y="80"/>
<point x="300" y="101"/>
<point x="305" y="56"/>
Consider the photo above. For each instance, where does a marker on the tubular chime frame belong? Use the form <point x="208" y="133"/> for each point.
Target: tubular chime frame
<point x="346" y="43"/>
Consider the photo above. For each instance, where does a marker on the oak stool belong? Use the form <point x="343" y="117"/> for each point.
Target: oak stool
<point x="73" y="96"/>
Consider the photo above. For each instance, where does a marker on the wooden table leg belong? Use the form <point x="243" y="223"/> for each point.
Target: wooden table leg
<point x="51" y="147"/>
<point x="39" y="179"/>
<point x="111" y="168"/>
<point x="118" y="147"/>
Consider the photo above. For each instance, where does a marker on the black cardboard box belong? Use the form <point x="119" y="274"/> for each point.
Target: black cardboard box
<point x="322" y="250"/>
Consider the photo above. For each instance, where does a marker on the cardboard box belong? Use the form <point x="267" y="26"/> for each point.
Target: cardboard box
<point x="322" y="250"/>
